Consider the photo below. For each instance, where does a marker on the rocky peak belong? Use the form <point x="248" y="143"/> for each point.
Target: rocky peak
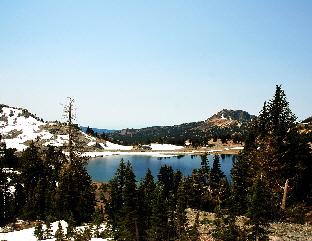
<point x="237" y="115"/>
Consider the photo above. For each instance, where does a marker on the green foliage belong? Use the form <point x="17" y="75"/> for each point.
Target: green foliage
<point x="83" y="235"/>
<point x="277" y="152"/>
<point x="39" y="233"/>
<point x="149" y="211"/>
<point x="59" y="233"/>
<point x="207" y="188"/>
<point x="48" y="230"/>
<point x="122" y="209"/>
<point x="75" y="193"/>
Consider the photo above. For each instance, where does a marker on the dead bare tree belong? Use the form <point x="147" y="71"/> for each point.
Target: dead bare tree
<point x="70" y="116"/>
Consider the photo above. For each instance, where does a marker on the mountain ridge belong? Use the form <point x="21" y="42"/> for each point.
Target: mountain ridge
<point x="225" y="122"/>
<point x="18" y="127"/>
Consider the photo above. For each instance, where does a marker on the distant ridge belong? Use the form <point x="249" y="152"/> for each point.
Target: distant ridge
<point x="225" y="122"/>
<point x="97" y="130"/>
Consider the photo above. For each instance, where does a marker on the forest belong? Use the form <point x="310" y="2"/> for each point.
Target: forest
<point x="270" y="181"/>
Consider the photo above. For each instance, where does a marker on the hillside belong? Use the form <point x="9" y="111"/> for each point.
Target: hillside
<point x="18" y="127"/>
<point x="225" y="123"/>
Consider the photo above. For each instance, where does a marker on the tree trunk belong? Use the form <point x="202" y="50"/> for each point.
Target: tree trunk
<point x="283" y="205"/>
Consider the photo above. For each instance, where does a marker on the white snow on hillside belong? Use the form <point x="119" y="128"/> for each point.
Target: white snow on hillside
<point x="165" y="147"/>
<point x="28" y="234"/>
<point x="18" y="126"/>
<point x="111" y="146"/>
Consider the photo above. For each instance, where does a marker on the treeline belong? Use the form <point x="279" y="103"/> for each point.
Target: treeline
<point x="153" y="210"/>
<point x="197" y="138"/>
<point x="178" y="134"/>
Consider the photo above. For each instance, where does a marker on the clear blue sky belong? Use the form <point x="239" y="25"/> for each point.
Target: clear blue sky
<point x="145" y="63"/>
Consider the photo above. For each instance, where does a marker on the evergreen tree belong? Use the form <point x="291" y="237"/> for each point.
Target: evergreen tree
<point x="159" y="219"/>
<point x="75" y="191"/>
<point x="114" y="204"/>
<point x="279" y="153"/>
<point x="122" y="209"/>
<point x="165" y="177"/>
<point x="59" y="233"/>
<point x="216" y="174"/>
<point x="179" y="213"/>
<point x="70" y="230"/>
<point x="39" y="233"/>
<point x="146" y="192"/>
<point x="219" y="184"/>
<point x="97" y="219"/>
<point x="48" y="230"/>
<point x="2" y="183"/>
<point x="32" y="178"/>
<point x="129" y="224"/>
<point x="259" y="207"/>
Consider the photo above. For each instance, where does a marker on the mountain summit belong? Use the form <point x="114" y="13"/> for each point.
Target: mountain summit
<point x="238" y="115"/>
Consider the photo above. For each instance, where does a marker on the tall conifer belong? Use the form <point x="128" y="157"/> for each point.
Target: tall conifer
<point x="279" y="153"/>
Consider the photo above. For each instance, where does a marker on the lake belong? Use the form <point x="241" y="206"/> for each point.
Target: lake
<point x="103" y="169"/>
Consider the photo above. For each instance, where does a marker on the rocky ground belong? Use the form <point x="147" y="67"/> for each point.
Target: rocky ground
<point x="279" y="231"/>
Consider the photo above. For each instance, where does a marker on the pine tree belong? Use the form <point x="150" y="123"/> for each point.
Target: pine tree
<point x="122" y="208"/>
<point x="39" y="233"/>
<point x="259" y="207"/>
<point x="59" y="233"/>
<point x="276" y="150"/>
<point x="216" y="173"/>
<point x="2" y="183"/>
<point x="179" y="213"/>
<point x="48" y="230"/>
<point x="129" y="224"/>
<point x="165" y="177"/>
<point x="97" y="219"/>
<point x="146" y="193"/>
<point x="75" y="191"/>
<point x="70" y="230"/>
<point x="159" y="218"/>
<point x="33" y="178"/>
<point x="218" y="183"/>
<point x="114" y="204"/>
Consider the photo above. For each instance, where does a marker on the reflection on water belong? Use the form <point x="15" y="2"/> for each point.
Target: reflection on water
<point x="102" y="169"/>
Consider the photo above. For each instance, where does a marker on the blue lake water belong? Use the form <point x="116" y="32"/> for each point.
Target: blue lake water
<point x="103" y="169"/>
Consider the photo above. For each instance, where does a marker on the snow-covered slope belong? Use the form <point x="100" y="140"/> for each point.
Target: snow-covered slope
<point x="18" y="127"/>
<point x="28" y="234"/>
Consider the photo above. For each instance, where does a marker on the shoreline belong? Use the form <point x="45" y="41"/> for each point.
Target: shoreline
<point x="185" y="151"/>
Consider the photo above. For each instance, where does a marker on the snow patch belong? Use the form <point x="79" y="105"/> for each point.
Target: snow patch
<point x="28" y="234"/>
